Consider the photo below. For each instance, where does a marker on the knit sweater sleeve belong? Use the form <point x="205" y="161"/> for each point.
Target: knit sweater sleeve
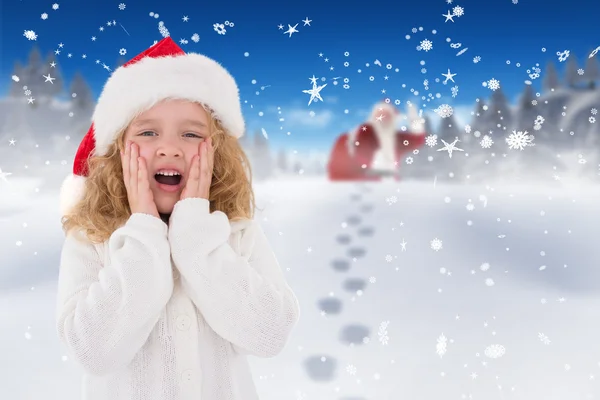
<point x="105" y="313"/>
<point x="243" y="297"/>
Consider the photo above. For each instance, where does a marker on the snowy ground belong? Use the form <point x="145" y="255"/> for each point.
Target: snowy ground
<point x="513" y="329"/>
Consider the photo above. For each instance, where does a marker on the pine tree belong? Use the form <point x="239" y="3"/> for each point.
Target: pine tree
<point x="282" y="161"/>
<point x="526" y="111"/>
<point x="261" y="158"/>
<point x="16" y="88"/>
<point x="56" y="87"/>
<point x="32" y="76"/>
<point x="551" y="77"/>
<point x="499" y="112"/>
<point x="478" y="121"/>
<point x="592" y="72"/>
<point x="571" y="75"/>
<point x="83" y="100"/>
<point x="526" y="100"/>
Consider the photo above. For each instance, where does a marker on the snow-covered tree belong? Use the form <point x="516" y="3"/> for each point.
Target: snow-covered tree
<point x="592" y="72"/>
<point x="56" y="87"/>
<point x="571" y="75"/>
<point x="526" y="111"/>
<point x="32" y="73"/>
<point x="499" y="112"/>
<point x="16" y="88"/>
<point x="551" y="80"/>
<point x="262" y="162"/>
<point x="449" y="168"/>
<point x="282" y="160"/>
<point x="478" y="122"/>
<point x="83" y="100"/>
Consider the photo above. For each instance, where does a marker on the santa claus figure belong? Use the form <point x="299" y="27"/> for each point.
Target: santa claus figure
<point x="374" y="150"/>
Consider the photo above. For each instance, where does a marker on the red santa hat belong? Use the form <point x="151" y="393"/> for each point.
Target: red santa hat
<point x="163" y="71"/>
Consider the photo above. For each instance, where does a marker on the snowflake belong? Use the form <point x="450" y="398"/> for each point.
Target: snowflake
<point x="458" y="11"/>
<point x="594" y="111"/>
<point x="580" y="71"/>
<point x="539" y="120"/>
<point x="444" y="110"/>
<point x="486" y="142"/>
<point x="544" y="338"/>
<point x="409" y="160"/>
<point x="493" y="84"/>
<point x="426" y="45"/>
<point x="442" y="345"/>
<point x="382" y="333"/>
<point x="389" y="258"/>
<point x="426" y="82"/>
<point x="476" y="59"/>
<point x="495" y="351"/>
<point x="122" y="6"/>
<point x="195" y="38"/>
<point x="454" y="91"/>
<point x="219" y="28"/>
<point x="30" y="35"/>
<point x="515" y="1"/>
<point x="592" y="120"/>
<point x="431" y="140"/>
<point x="537" y="127"/>
<point x="485" y="266"/>
<point x="436" y="244"/>
<point x="534" y="102"/>
<point x="27" y="92"/>
<point x="468" y="128"/>
<point x="351" y="369"/>
<point x="562" y="56"/>
<point x="55" y="6"/>
<point x="183" y="41"/>
<point x="519" y="140"/>
<point x="44" y="16"/>
<point x="123" y="52"/>
<point x="391" y="200"/>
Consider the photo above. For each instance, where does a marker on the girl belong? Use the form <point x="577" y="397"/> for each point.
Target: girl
<point x="166" y="282"/>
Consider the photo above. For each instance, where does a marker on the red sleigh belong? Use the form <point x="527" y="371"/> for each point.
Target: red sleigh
<point x="344" y="166"/>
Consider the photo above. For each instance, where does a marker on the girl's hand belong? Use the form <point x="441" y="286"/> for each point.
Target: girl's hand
<point x="200" y="173"/>
<point x="135" y="176"/>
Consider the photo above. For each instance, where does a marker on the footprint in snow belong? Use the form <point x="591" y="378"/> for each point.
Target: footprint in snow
<point x="340" y="265"/>
<point x="330" y="305"/>
<point x="354" y="334"/>
<point x="320" y="368"/>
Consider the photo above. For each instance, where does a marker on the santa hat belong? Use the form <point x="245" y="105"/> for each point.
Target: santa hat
<point x="163" y="71"/>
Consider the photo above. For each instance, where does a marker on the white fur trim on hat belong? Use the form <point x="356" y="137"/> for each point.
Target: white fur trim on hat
<point x="71" y="191"/>
<point x="135" y="88"/>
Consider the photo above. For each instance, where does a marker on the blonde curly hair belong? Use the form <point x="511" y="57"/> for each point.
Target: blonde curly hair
<point x="104" y="206"/>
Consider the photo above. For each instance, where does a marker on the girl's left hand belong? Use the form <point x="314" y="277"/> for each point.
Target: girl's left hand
<point x="200" y="173"/>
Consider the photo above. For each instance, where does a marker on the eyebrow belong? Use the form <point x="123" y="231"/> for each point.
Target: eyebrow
<point x="191" y="122"/>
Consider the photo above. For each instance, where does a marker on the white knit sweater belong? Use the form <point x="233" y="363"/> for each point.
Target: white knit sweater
<point x="163" y="312"/>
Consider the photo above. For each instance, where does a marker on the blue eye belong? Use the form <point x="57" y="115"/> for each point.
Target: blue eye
<point x="190" y="133"/>
<point x="143" y="133"/>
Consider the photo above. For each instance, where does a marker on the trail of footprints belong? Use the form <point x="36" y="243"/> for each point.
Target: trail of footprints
<point x="325" y="367"/>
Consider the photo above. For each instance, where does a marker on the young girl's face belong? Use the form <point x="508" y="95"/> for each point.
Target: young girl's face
<point x="169" y="135"/>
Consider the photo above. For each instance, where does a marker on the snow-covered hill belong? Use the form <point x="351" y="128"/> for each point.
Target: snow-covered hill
<point x="417" y="290"/>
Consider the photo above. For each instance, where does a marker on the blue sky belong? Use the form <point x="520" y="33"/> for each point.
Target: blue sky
<point x="278" y="67"/>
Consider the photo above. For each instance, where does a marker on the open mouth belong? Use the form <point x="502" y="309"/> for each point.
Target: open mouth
<point x="171" y="180"/>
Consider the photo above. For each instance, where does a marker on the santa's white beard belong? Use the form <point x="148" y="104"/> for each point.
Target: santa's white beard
<point x="385" y="157"/>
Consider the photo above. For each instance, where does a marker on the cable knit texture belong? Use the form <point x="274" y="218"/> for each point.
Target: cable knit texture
<point x="163" y="312"/>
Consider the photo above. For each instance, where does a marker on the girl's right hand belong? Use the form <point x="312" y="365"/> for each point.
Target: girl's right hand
<point x="135" y="176"/>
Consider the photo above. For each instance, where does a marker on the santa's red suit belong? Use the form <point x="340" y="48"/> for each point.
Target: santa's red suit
<point x="376" y="147"/>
